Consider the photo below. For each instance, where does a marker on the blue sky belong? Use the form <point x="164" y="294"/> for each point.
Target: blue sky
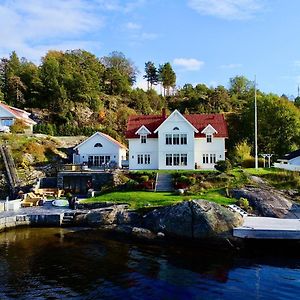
<point x="206" y="41"/>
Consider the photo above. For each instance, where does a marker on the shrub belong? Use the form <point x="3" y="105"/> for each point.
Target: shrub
<point x="144" y="178"/>
<point x="242" y="152"/>
<point x="223" y="165"/>
<point x="250" y="163"/>
<point x="18" y="127"/>
<point x="243" y="203"/>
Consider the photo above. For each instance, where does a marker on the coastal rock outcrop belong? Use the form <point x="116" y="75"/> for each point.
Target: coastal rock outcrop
<point x="197" y="219"/>
<point x="266" y="201"/>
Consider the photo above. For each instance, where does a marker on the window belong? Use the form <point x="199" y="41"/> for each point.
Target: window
<point x="205" y="158"/>
<point x="140" y="159"/>
<point x="183" y="139"/>
<point x="107" y="159"/>
<point x="169" y="139"/>
<point x="7" y="122"/>
<point x="176" y="139"/>
<point x="144" y="139"/>
<point x="168" y="159"/>
<point x="208" y="138"/>
<point x="176" y="159"/>
<point x="212" y="158"/>
<point x="183" y="159"/>
<point x="147" y="159"/>
<point x="175" y="128"/>
<point x="98" y="145"/>
<point x="90" y="160"/>
<point x="96" y="161"/>
<point x="143" y="159"/>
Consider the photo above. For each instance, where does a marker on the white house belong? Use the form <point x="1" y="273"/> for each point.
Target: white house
<point x="98" y="150"/>
<point x="290" y="161"/>
<point x="176" y="141"/>
<point x="9" y="114"/>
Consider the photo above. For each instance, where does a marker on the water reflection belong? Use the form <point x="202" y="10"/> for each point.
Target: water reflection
<point x="57" y="263"/>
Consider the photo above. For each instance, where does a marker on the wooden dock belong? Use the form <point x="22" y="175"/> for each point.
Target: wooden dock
<point x="268" y="228"/>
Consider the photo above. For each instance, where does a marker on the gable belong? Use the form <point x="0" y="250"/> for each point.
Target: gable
<point x="4" y="113"/>
<point x="209" y="130"/>
<point x="176" y="119"/>
<point x="143" y="130"/>
<point x="99" y="140"/>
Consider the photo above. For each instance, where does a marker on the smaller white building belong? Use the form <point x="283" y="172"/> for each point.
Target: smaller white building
<point x="290" y="161"/>
<point x="9" y="114"/>
<point x="99" y="150"/>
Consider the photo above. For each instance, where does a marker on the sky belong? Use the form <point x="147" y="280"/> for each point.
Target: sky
<point x="206" y="41"/>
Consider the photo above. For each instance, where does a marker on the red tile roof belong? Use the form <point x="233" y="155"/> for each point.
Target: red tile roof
<point x="18" y="113"/>
<point x="200" y="121"/>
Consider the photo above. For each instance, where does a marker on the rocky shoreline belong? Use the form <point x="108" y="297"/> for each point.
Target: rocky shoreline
<point x="193" y="220"/>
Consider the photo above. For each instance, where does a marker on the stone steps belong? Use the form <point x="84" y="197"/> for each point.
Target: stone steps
<point x="68" y="219"/>
<point x="164" y="183"/>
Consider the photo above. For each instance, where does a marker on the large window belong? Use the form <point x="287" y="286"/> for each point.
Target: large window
<point x="183" y="159"/>
<point x="169" y="139"/>
<point x="209" y="158"/>
<point x="176" y="139"/>
<point x="143" y="139"/>
<point x="168" y="159"/>
<point x="205" y="158"/>
<point x="143" y="159"/>
<point x="7" y="122"/>
<point x="176" y="159"/>
<point x="183" y="139"/>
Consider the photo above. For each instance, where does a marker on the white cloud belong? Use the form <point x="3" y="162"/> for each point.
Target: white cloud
<point x="33" y="26"/>
<point x="188" y="64"/>
<point x="297" y="63"/>
<point x="132" y="26"/>
<point x="231" y="66"/>
<point x="120" y="5"/>
<point x="227" y="9"/>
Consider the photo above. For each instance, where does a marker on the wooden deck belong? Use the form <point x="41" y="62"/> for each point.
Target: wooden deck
<point x="268" y="228"/>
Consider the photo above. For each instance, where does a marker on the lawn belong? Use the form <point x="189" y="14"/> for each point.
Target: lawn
<point x="139" y="199"/>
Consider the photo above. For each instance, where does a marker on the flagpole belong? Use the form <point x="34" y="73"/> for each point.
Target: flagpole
<point x="255" y="125"/>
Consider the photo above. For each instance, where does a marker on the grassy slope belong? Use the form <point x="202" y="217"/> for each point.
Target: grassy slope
<point x="138" y="199"/>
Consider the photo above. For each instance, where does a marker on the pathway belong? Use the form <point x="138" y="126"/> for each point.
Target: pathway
<point x="164" y="182"/>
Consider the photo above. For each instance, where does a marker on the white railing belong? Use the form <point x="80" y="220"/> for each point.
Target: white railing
<point x="287" y="167"/>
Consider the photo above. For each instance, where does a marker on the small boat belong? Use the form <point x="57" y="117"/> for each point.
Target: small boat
<point x="60" y="202"/>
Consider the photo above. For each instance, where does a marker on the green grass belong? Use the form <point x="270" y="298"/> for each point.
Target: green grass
<point x="139" y="199"/>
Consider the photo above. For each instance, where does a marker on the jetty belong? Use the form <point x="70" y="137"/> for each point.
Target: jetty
<point x="268" y="228"/>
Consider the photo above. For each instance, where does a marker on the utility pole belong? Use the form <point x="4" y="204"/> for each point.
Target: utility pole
<point x="255" y="125"/>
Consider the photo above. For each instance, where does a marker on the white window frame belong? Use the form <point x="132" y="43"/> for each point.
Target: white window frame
<point x="143" y="138"/>
<point x="209" y="138"/>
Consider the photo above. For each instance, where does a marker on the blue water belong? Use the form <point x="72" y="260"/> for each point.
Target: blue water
<point x="58" y="264"/>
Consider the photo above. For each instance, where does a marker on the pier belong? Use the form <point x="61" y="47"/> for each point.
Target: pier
<point x="268" y="228"/>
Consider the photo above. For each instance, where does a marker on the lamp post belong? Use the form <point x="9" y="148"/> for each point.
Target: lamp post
<point x="255" y="125"/>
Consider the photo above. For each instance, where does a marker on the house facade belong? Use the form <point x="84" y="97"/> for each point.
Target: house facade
<point x="290" y="161"/>
<point x="98" y="150"/>
<point x="176" y="141"/>
<point x="9" y="114"/>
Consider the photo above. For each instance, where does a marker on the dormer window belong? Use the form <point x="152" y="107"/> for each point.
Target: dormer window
<point x="98" y="145"/>
<point x="209" y="138"/>
<point x="175" y="128"/>
<point x="143" y="139"/>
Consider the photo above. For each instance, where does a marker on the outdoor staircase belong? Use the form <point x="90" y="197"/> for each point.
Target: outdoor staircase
<point x="164" y="183"/>
<point x="68" y="219"/>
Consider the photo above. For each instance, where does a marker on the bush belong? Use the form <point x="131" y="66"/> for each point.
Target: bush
<point x="144" y="178"/>
<point x="242" y="152"/>
<point x="243" y="203"/>
<point x="223" y="165"/>
<point x="250" y="163"/>
<point x="18" y="127"/>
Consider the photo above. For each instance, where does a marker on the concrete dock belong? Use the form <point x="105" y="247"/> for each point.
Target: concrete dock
<point x="268" y="228"/>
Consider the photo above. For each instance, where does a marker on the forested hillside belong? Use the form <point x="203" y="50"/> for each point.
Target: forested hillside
<point x="75" y="93"/>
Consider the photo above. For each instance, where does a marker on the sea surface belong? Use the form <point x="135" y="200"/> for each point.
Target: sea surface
<point x="64" y="264"/>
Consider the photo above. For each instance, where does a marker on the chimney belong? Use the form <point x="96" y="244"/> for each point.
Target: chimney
<point x="163" y="113"/>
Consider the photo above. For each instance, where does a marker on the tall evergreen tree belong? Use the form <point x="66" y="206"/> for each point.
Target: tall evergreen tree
<point x="151" y="74"/>
<point x="167" y="77"/>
